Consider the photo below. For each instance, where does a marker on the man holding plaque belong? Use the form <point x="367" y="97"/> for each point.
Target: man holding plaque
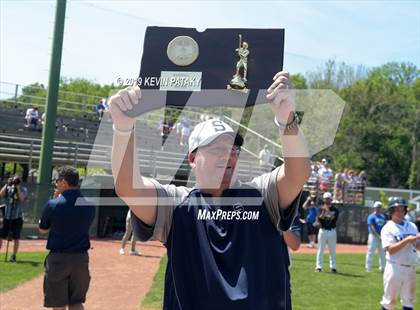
<point x="218" y="257"/>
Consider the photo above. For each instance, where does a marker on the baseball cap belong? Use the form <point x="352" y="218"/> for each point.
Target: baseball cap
<point x="323" y="160"/>
<point x="206" y="132"/>
<point x="377" y="204"/>
<point x="327" y="195"/>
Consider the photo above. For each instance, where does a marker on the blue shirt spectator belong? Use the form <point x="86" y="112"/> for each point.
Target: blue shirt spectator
<point x="377" y="220"/>
<point x="67" y="222"/>
<point x="312" y="214"/>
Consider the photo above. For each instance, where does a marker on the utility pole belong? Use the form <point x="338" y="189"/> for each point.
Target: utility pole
<point x="48" y="132"/>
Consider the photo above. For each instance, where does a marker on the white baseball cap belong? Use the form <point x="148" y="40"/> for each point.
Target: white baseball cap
<point x="206" y="132"/>
<point x="377" y="204"/>
<point x="327" y="195"/>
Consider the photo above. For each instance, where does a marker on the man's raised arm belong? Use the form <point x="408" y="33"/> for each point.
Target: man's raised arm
<point x="296" y="168"/>
<point x="137" y="192"/>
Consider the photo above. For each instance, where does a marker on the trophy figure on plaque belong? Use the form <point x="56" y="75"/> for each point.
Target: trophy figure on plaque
<point x="239" y="80"/>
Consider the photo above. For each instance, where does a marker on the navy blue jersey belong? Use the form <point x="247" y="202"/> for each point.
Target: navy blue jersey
<point x="235" y="261"/>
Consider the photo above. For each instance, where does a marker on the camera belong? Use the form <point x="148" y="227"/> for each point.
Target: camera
<point x="16" y="180"/>
<point x="13" y="181"/>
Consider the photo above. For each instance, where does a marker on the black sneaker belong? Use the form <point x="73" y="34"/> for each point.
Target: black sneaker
<point x="12" y="259"/>
<point x="334" y="270"/>
<point x="318" y="270"/>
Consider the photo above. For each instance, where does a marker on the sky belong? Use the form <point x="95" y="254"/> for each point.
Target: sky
<point x="103" y="39"/>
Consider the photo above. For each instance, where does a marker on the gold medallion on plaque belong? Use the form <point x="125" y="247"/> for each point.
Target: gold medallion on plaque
<point x="183" y="51"/>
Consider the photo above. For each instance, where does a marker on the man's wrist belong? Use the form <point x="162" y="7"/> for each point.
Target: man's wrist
<point x="123" y="132"/>
<point x="292" y="122"/>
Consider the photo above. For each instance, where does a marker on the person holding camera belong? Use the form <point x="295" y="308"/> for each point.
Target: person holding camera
<point x="14" y="195"/>
<point x="310" y="205"/>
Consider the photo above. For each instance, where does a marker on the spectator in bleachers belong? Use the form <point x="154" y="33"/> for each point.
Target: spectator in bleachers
<point x="350" y="187"/>
<point x="339" y="185"/>
<point x="43" y="116"/>
<point x="101" y="109"/>
<point x="185" y="131"/>
<point x="265" y="156"/>
<point x="32" y="117"/>
<point x="314" y="171"/>
<point x="178" y="129"/>
<point x="312" y="183"/>
<point x="325" y="175"/>
<point x="360" y="181"/>
<point x="322" y="164"/>
<point x="363" y="179"/>
<point x="165" y="130"/>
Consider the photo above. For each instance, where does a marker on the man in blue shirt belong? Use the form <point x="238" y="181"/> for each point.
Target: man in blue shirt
<point x="14" y="195"/>
<point x="222" y="236"/>
<point x="375" y="221"/>
<point x="67" y="219"/>
<point x="310" y="205"/>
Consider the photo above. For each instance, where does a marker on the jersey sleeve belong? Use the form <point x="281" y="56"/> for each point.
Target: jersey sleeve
<point x="386" y="237"/>
<point x="267" y="185"/>
<point x="370" y="220"/>
<point x="168" y="197"/>
<point x="295" y="227"/>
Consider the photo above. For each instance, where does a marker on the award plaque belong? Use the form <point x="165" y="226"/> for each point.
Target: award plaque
<point x="182" y="66"/>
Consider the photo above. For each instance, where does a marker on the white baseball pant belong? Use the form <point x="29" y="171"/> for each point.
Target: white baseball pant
<point x="374" y="243"/>
<point x="326" y="237"/>
<point x="400" y="280"/>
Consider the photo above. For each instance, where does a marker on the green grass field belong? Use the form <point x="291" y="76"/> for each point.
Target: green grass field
<point x="350" y="288"/>
<point x="28" y="266"/>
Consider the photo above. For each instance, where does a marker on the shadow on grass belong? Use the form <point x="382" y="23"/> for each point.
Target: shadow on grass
<point x="313" y="260"/>
<point x="27" y="262"/>
<point x="23" y="262"/>
<point x="150" y="256"/>
<point x="350" y="275"/>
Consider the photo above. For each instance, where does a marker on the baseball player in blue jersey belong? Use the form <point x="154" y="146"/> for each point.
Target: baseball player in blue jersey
<point x="375" y="222"/>
<point x="218" y="258"/>
<point x="400" y="239"/>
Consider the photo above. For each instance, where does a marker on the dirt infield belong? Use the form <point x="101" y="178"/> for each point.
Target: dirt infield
<point x="118" y="282"/>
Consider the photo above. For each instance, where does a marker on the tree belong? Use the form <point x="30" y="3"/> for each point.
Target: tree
<point x="379" y="128"/>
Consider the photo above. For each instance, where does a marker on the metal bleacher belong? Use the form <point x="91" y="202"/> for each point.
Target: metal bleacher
<point x="67" y="128"/>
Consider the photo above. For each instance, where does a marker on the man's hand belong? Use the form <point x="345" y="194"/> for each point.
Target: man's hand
<point x="281" y="97"/>
<point x="123" y="101"/>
